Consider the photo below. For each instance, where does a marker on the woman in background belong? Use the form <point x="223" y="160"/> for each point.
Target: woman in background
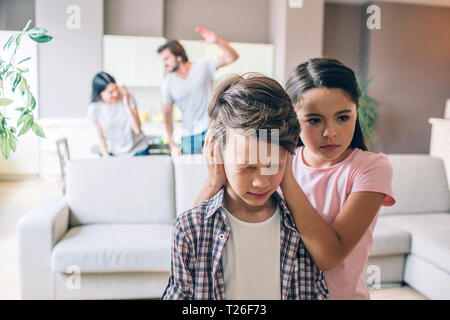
<point x="113" y="112"/>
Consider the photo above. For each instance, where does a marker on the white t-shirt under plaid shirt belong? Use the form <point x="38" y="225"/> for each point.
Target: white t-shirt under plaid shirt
<point x="251" y="261"/>
<point x="200" y="237"/>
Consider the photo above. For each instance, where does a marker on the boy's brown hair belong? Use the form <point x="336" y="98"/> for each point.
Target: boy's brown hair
<point x="254" y="102"/>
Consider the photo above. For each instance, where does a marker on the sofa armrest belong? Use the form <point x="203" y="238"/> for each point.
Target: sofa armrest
<point x="38" y="231"/>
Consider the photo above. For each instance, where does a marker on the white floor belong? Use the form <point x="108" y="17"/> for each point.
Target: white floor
<point x="19" y="196"/>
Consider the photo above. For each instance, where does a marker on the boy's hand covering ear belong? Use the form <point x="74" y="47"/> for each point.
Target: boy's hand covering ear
<point x="214" y="159"/>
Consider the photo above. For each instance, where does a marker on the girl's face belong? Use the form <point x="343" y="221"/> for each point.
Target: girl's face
<point x="327" y="120"/>
<point x="111" y="94"/>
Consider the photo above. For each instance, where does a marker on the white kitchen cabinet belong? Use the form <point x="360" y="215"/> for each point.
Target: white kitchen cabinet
<point x="253" y="57"/>
<point x="133" y="61"/>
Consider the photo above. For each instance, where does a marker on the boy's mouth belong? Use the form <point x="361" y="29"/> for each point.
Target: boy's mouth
<point x="259" y="195"/>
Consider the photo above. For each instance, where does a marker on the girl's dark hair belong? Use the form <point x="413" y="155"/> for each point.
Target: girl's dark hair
<point x="99" y="83"/>
<point x="176" y="49"/>
<point x="326" y="73"/>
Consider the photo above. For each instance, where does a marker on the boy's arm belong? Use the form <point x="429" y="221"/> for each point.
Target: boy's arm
<point x="216" y="173"/>
<point x="181" y="279"/>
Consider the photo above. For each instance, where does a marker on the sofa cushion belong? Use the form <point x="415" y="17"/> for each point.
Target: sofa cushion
<point x="121" y="189"/>
<point x="388" y="240"/>
<point x="419" y="184"/>
<point x="430" y="236"/>
<point x="103" y="248"/>
<point x="190" y="176"/>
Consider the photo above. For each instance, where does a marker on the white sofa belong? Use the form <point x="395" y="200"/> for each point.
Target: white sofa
<point x="412" y="238"/>
<point x="110" y="236"/>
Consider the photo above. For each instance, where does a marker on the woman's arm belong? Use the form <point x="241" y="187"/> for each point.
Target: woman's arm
<point x="329" y="245"/>
<point x="102" y="141"/>
<point x="131" y="111"/>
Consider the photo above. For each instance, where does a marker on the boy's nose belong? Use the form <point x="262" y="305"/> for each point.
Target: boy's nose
<point x="261" y="181"/>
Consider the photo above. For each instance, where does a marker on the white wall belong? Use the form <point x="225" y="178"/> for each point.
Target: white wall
<point x="25" y="161"/>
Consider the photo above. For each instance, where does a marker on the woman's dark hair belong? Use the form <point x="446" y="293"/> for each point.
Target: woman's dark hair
<point x="176" y="49"/>
<point x="326" y="73"/>
<point x="99" y="83"/>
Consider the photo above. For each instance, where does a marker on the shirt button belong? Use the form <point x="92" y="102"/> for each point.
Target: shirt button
<point x="221" y="236"/>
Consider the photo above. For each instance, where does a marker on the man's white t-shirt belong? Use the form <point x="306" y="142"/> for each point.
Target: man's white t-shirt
<point x="251" y="259"/>
<point x="192" y="94"/>
<point x="115" y="123"/>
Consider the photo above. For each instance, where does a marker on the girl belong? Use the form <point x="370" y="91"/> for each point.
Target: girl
<point x="333" y="186"/>
<point x="115" y="118"/>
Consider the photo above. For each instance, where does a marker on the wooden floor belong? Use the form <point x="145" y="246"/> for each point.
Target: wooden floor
<point x="19" y="196"/>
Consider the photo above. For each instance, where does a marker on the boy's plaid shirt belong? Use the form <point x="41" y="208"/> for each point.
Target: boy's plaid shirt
<point x="199" y="239"/>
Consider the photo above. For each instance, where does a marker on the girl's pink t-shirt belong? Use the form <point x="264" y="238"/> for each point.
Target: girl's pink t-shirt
<point x="327" y="189"/>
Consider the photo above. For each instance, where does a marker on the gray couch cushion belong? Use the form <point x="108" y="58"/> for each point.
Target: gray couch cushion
<point x="430" y="236"/>
<point x="389" y="240"/>
<point x="100" y="248"/>
<point x="419" y="185"/>
<point x="190" y="176"/>
<point x="121" y="189"/>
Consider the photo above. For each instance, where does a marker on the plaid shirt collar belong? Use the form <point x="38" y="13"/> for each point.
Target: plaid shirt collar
<point x="216" y="206"/>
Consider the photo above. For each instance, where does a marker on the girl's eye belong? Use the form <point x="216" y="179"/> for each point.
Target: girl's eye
<point x="343" y="118"/>
<point x="313" y="120"/>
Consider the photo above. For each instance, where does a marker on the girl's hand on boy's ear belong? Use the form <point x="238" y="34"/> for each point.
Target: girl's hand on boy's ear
<point x="287" y="171"/>
<point x="214" y="160"/>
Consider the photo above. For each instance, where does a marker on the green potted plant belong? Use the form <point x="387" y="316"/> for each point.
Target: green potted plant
<point x="15" y="93"/>
<point x="368" y="114"/>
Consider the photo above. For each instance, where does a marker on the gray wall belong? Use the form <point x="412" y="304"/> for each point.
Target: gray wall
<point x="134" y="17"/>
<point x="68" y="63"/>
<point x="297" y="34"/>
<point x="410" y="66"/>
<point x="14" y="14"/>
<point x="343" y="32"/>
<point x="408" y="60"/>
<point x="233" y="20"/>
<point x="304" y="34"/>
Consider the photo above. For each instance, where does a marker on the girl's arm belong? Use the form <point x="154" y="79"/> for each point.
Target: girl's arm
<point x="102" y="141"/>
<point x="329" y="245"/>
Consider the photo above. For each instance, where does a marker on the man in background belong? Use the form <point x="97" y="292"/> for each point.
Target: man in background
<point x="189" y="85"/>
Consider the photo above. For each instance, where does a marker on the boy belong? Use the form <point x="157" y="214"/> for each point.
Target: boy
<point x="242" y="242"/>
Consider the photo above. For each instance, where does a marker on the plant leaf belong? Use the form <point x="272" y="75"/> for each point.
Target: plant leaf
<point x="11" y="140"/>
<point x="16" y="81"/>
<point x="4" y="146"/>
<point x="26" y="59"/>
<point x="28" y="122"/>
<point x="38" y="130"/>
<point x="39" y="35"/>
<point x="31" y="102"/>
<point x="27" y="25"/>
<point x="23" y="118"/>
<point x="23" y="85"/>
<point x="5" y="102"/>
<point x="19" y="36"/>
<point x="10" y="40"/>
